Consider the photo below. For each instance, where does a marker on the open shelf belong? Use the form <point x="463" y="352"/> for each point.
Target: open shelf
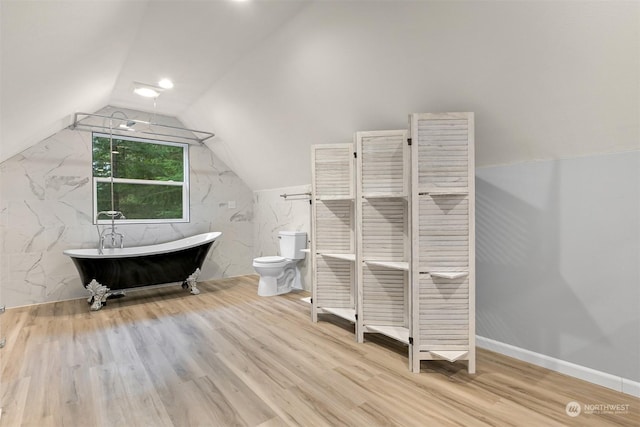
<point x="346" y="313"/>
<point x="305" y="250"/>
<point x="306" y="299"/>
<point x="450" y="355"/>
<point x="330" y="197"/>
<point x="384" y="195"/>
<point x="396" y="332"/>
<point x="442" y="191"/>
<point x="449" y="274"/>
<point x="394" y="265"/>
<point x="346" y="257"/>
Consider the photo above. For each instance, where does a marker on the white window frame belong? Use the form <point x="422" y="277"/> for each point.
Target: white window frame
<point x="184" y="184"/>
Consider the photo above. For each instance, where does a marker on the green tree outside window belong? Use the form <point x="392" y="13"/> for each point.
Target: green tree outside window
<point x="149" y="178"/>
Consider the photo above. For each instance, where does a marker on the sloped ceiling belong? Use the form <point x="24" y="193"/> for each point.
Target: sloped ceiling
<point x="270" y="78"/>
<point x="62" y="57"/>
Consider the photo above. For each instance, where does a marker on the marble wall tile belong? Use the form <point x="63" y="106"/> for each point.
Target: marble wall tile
<point x="272" y="214"/>
<point x="46" y="207"/>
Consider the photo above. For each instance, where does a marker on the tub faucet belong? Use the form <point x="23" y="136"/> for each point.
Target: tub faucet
<point x="115" y="239"/>
<point x="110" y="234"/>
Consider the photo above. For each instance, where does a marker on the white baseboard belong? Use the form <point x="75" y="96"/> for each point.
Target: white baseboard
<point x="631" y="387"/>
<point x="613" y="382"/>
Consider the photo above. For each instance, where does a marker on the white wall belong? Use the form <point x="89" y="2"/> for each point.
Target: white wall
<point x="46" y="207"/>
<point x="546" y="80"/>
<point x="558" y="259"/>
<point x="272" y="214"/>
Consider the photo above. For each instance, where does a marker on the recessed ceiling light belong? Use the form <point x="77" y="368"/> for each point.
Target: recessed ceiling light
<point x="165" y="84"/>
<point x="146" y="91"/>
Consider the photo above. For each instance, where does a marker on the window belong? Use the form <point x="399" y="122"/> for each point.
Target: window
<point x="150" y="179"/>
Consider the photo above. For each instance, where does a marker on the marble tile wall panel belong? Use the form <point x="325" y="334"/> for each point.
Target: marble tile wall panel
<point x="46" y="207"/>
<point x="273" y="213"/>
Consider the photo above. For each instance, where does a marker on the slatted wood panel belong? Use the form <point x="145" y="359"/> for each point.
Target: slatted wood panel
<point x="384" y="223"/>
<point x="443" y="152"/>
<point x="385" y="296"/>
<point x="333" y="170"/>
<point x="334" y="226"/>
<point x="444" y="233"/>
<point x="383" y="212"/>
<point x="443" y="194"/>
<point x="335" y="282"/>
<point x="444" y="313"/>
<point x="383" y="162"/>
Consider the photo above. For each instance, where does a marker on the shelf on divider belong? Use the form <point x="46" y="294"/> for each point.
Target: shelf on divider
<point x="442" y="191"/>
<point x="383" y="195"/>
<point x="306" y="299"/>
<point x="396" y="332"/>
<point x="449" y="274"/>
<point x="346" y="257"/>
<point x="305" y="250"/>
<point x="395" y="265"/>
<point x="450" y="355"/>
<point x="346" y="313"/>
<point x="330" y="197"/>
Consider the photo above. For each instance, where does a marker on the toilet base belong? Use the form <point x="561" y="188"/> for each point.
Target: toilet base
<point x="270" y="286"/>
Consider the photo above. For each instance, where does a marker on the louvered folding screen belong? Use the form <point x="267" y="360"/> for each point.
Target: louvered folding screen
<point x="333" y="231"/>
<point x="409" y="229"/>
<point x="443" y="252"/>
<point x="383" y="210"/>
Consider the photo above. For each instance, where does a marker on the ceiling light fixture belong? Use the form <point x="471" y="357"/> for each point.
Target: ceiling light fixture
<point x="165" y="84"/>
<point x="147" y="90"/>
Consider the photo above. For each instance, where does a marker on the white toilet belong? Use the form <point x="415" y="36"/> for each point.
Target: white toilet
<point x="280" y="274"/>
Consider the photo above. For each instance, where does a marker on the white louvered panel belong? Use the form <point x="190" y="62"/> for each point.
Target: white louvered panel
<point x="334" y="226"/>
<point x="384" y="297"/>
<point x="383" y="229"/>
<point x="444" y="233"/>
<point x="443" y="152"/>
<point x="383" y="163"/>
<point x="334" y="279"/>
<point x="444" y="313"/>
<point x="333" y="170"/>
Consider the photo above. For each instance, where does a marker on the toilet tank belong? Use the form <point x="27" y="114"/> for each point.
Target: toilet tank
<point x="292" y="243"/>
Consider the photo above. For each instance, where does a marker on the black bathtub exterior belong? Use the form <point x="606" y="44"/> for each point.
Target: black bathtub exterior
<point x="132" y="272"/>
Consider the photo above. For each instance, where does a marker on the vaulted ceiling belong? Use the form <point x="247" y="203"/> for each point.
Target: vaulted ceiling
<point x="271" y="77"/>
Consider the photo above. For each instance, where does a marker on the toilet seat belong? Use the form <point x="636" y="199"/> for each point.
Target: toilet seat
<point x="271" y="261"/>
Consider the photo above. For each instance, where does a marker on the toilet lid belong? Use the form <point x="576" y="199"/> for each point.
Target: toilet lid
<point x="270" y="259"/>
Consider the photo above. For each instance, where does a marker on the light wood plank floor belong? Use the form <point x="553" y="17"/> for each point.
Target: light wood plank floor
<point x="163" y="357"/>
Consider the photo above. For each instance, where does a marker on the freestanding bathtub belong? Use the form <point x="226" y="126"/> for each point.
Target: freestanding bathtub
<point x="123" y="268"/>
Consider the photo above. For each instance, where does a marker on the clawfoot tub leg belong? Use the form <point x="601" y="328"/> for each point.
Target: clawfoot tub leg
<point x="191" y="282"/>
<point x="99" y="294"/>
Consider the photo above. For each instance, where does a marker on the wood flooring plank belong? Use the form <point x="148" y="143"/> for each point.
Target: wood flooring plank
<point x="251" y="409"/>
<point x="273" y="422"/>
